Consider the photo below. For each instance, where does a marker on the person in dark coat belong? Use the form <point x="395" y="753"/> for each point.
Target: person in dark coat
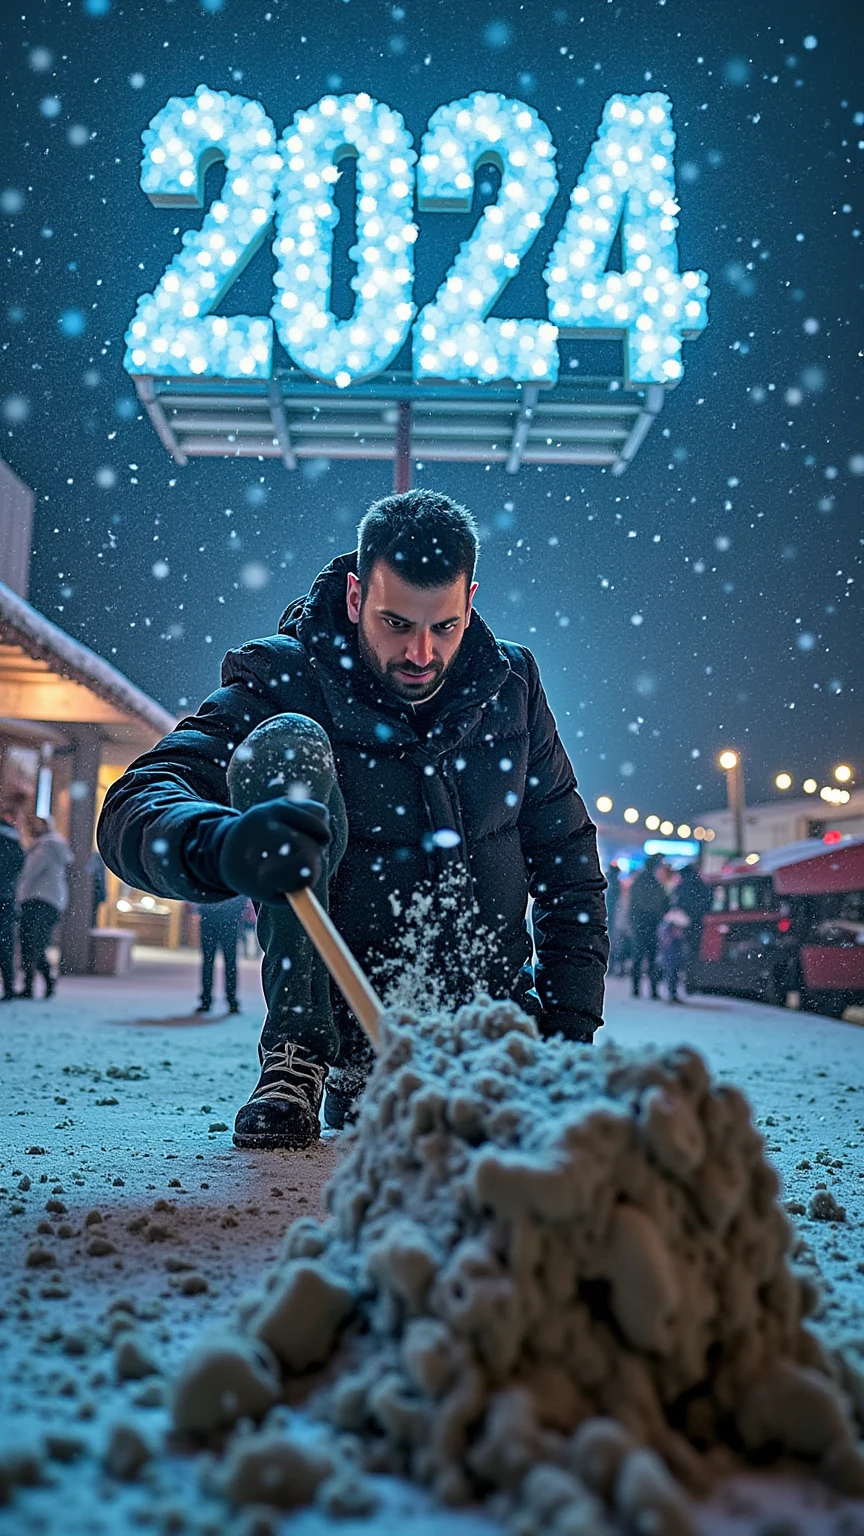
<point x="220" y="929"/>
<point x="693" y="896"/>
<point x="648" y="903"/>
<point x="422" y="789"/>
<point x="11" y="864"/>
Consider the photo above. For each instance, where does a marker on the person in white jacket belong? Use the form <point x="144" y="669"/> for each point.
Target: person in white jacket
<point x="43" y="896"/>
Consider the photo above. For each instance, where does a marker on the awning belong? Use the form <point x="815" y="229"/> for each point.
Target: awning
<point x="47" y="676"/>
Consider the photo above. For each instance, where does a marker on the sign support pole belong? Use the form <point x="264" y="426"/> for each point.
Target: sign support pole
<point x="402" y="457"/>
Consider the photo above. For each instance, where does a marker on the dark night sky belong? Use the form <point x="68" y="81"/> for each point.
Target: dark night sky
<point x="710" y="596"/>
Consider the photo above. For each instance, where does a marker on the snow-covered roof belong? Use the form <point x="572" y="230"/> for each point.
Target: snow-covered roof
<point x="801" y="852"/>
<point x="23" y="625"/>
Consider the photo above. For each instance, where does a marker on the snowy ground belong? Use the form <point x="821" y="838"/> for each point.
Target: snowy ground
<point x="119" y="1188"/>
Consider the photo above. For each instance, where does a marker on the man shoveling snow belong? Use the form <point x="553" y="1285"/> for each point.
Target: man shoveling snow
<point x="386" y="749"/>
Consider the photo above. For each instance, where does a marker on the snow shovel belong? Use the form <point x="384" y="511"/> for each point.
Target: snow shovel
<point x="352" y="982"/>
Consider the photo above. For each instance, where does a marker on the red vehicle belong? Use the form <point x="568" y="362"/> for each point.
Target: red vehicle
<point x="789" y="929"/>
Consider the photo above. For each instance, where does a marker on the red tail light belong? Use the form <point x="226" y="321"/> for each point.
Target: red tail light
<point x="785" y="924"/>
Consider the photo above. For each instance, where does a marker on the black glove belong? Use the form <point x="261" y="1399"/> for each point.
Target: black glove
<point x="274" y="848"/>
<point x="578" y="1027"/>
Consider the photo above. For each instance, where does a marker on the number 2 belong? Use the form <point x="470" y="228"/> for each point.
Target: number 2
<point x="174" y="333"/>
<point x="453" y="339"/>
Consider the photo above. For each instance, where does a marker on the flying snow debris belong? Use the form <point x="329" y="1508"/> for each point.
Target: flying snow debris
<point x="806" y="642"/>
<point x="445" y="837"/>
<point x="497" y="34"/>
<point x="254" y="576"/>
<point x="78" y="135"/>
<point x="50" y="106"/>
<point x="313" y="469"/>
<point x="736" y="71"/>
<point x="41" y="59"/>
<point x="856" y="464"/>
<point x="160" y="569"/>
<point x="211" y="6"/>
<point x="16" y="409"/>
<point x="637" y="619"/>
<point x="105" y="477"/>
<point x="810" y="41"/>
<point x="97" y="7"/>
<point x="137" y="80"/>
<point x="72" y="322"/>
<point x="11" y="200"/>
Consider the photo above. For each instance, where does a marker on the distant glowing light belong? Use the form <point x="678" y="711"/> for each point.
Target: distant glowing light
<point x="810" y="786"/>
<point x="842" y="773"/>
<point x="604" y="804"/>
<point x="652" y="823"/>
<point x="667" y="828"/>
<point x="752" y="858"/>
<point x="728" y="760"/>
<point x="631" y="814"/>
<point x="683" y="830"/>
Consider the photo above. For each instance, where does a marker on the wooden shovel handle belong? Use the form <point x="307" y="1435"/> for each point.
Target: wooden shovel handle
<point x="352" y="982"/>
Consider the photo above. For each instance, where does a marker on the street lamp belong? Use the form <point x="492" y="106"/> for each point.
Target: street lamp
<point x="730" y="762"/>
<point x="631" y="814"/>
<point x="842" y="773"/>
<point x="809" y="786"/>
<point x="604" y="804"/>
<point x="783" y="781"/>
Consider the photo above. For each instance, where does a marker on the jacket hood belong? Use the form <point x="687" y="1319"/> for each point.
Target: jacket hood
<point x="320" y="622"/>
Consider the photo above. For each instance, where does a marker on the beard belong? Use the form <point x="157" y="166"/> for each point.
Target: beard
<point x="394" y="675"/>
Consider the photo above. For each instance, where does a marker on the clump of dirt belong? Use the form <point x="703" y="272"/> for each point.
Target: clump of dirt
<point x="551" y="1276"/>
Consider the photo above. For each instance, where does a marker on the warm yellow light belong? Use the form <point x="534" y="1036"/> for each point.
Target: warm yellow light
<point x="604" y="804"/>
<point x="728" y="760"/>
<point x="683" y="830"/>
<point x="699" y="833"/>
<point x="783" y="781"/>
<point x="827" y="792"/>
<point x="842" y="773"/>
<point x="652" y="823"/>
<point x="667" y="828"/>
<point x="809" y="786"/>
<point x="709" y="834"/>
<point x="631" y="814"/>
<point x="752" y="858"/>
<point x="843" y="796"/>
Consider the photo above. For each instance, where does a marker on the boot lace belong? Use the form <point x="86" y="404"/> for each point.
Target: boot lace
<point x="289" y="1075"/>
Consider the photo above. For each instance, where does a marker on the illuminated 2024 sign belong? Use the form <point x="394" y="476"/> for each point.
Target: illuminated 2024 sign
<point x="628" y="183"/>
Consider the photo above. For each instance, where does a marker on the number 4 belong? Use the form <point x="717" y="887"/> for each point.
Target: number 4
<point x="628" y="180"/>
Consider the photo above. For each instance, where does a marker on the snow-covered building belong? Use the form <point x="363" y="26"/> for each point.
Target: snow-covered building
<point x="778" y="822"/>
<point x="69" y="721"/>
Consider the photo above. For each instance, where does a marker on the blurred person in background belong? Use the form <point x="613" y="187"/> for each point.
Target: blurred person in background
<point x="648" y="903"/>
<point x="99" y="888"/>
<point x="11" y="862"/>
<point x="220" y="929"/>
<point x="673" y="949"/>
<point x="692" y="896"/>
<point x="43" y="896"/>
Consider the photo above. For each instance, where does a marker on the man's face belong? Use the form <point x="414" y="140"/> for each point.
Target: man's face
<point x="409" y="636"/>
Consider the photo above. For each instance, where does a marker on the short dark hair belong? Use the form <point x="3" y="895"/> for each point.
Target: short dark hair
<point x="423" y="536"/>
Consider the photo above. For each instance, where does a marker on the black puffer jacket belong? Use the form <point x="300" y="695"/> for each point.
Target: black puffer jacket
<point x="491" y="770"/>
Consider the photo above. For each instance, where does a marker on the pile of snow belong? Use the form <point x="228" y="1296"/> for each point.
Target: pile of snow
<point x="553" y="1277"/>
